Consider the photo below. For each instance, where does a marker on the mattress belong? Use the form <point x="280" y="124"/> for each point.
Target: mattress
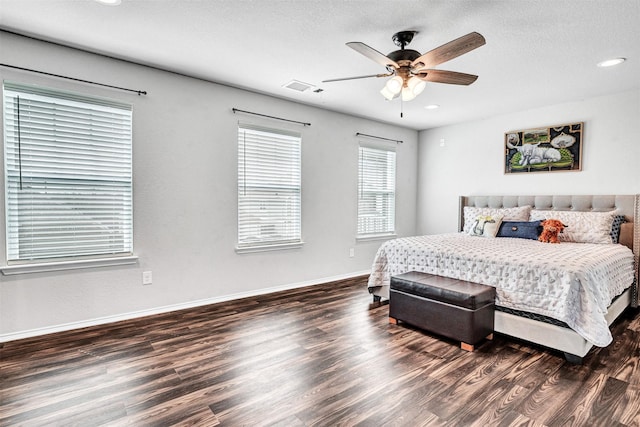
<point x="573" y="283"/>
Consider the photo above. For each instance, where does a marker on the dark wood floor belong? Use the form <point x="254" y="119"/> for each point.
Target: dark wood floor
<point x="318" y="356"/>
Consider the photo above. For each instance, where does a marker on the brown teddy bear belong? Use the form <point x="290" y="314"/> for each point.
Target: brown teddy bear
<point x="550" y="230"/>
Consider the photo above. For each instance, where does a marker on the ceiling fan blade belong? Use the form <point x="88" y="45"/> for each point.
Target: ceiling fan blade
<point x="449" y="77"/>
<point x="450" y="50"/>
<point x="357" y="77"/>
<point x="373" y="54"/>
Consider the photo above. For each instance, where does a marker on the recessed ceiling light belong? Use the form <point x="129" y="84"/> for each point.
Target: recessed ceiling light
<point x="432" y="107"/>
<point x="110" y="2"/>
<point x="611" y="62"/>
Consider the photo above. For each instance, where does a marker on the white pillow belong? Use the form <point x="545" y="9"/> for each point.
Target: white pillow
<point x="485" y="226"/>
<point x="470" y="213"/>
<point x="581" y="227"/>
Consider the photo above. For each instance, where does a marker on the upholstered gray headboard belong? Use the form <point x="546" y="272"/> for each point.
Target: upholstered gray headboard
<point x="627" y="205"/>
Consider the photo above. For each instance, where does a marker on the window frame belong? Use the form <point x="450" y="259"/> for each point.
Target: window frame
<point x="286" y="148"/>
<point x="102" y="202"/>
<point x="363" y="232"/>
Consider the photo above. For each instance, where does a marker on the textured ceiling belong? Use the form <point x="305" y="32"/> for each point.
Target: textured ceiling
<point x="538" y="52"/>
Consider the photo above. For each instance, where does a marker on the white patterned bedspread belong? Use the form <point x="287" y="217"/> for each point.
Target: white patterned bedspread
<point x="571" y="282"/>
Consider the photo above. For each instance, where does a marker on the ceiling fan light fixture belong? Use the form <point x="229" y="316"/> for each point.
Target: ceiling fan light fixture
<point x="416" y="85"/>
<point x="394" y="84"/>
<point x="407" y="94"/>
<point x="387" y="93"/>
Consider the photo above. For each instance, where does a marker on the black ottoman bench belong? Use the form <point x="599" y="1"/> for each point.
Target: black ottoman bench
<point x="449" y="307"/>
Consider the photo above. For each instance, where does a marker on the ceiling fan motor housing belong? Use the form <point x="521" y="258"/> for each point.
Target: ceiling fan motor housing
<point x="404" y="55"/>
<point x="403" y="58"/>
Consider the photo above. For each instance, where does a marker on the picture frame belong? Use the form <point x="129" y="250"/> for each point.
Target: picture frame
<point x="544" y="149"/>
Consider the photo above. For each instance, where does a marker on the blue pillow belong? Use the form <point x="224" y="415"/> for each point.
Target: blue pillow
<point x="615" y="227"/>
<point x="520" y="229"/>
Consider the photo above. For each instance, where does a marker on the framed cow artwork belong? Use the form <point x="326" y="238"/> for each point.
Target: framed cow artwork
<point x="544" y="149"/>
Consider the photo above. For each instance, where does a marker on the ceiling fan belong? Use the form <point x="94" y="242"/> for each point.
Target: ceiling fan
<point x="409" y="70"/>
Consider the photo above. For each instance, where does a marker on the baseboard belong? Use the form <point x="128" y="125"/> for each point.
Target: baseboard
<point x="13" y="336"/>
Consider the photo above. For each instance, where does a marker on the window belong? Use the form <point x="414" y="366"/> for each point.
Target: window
<point x="269" y="188"/>
<point x="376" y="191"/>
<point x="67" y="175"/>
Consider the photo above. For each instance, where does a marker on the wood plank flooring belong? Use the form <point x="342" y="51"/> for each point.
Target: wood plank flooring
<point x="316" y="356"/>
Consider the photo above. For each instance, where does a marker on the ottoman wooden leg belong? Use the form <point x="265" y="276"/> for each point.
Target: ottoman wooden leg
<point x="490" y="337"/>
<point x="466" y="347"/>
<point x="393" y="320"/>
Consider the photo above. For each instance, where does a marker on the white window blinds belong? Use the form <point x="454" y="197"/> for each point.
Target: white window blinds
<point x="67" y="175"/>
<point x="269" y="187"/>
<point x="376" y="191"/>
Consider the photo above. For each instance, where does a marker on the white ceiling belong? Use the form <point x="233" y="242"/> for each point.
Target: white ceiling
<point x="538" y="52"/>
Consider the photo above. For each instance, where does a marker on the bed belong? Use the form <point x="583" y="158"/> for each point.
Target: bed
<point x="562" y="296"/>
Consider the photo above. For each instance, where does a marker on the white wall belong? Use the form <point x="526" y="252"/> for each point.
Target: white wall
<point x="471" y="162"/>
<point x="185" y="197"/>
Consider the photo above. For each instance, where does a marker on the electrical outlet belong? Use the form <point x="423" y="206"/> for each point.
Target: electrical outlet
<point x="352" y="252"/>
<point x="147" y="279"/>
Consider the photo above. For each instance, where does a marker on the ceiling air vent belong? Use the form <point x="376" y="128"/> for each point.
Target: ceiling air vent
<point x="298" y="86"/>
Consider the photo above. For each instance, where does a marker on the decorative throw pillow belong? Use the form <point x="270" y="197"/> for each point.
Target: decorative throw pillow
<point x="485" y="225"/>
<point x="470" y="213"/>
<point x="520" y="229"/>
<point x="581" y="227"/>
<point x="618" y="220"/>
